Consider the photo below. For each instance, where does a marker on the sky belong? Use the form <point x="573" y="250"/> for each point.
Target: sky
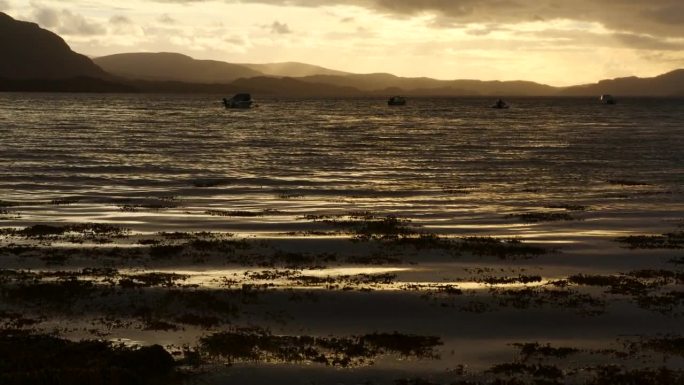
<point x="549" y="41"/>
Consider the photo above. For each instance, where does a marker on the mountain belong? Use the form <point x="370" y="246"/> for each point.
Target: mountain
<point x="165" y="66"/>
<point x="30" y="52"/>
<point x="669" y="84"/>
<point x="74" y="84"/>
<point x="292" y="87"/>
<point x="427" y="86"/>
<point x="34" y="59"/>
<point x="293" y="69"/>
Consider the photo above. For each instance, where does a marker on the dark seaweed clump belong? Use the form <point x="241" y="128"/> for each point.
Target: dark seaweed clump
<point x="98" y="232"/>
<point x="501" y="248"/>
<point x="48" y="294"/>
<point x="535" y="350"/>
<point x="533" y="297"/>
<point x="260" y="345"/>
<point x="43" y="359"/>
<point x="547" y="365"/>
<point x="617" y="284"/>
<point x="373" y="228"/>
<point x="534" y="370"/>
<point x="670" y="345"/>
<point x="543" y="217"/>
<point x="666" y="241"/>
<point x="365" y="226"/>
<point x="644" y="286"/>
<point x="524" y="279"/>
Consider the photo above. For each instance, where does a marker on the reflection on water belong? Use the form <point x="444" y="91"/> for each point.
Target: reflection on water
<point x="160" y="162"/>
<point x="343" y="219"/>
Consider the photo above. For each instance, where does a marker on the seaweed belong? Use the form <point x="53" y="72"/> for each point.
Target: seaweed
<point x="524" y="279"/>
<point x="85" y="230"/>
<point x="543" y="217"/>
<point x="618" y="284"/>
<point x="151" y="279"/>
<point x="665" y="241"/>
<point x="530" y="350"/>
<point x="43" y="359"/>
<point x="235" y="213"/>
<point x="260" y="345"/>
<point x="534" y="370"/>
<point x="501" y="248"/>
<point x="529" y="297"/>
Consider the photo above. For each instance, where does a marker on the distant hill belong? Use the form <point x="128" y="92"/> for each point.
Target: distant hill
<point x="258" y="87"/>
<point x="164" y="66"/>
<point x="293" y="69"/>
<point x="34" y="59"/>
<point x="75" y="84"/>
<point x="292" y="87"/>
<point x="669" y="84"/>
<point x="30" y="52"/>
<point x="428" y="86"/>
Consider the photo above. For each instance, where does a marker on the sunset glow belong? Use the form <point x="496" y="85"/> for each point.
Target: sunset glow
<point x="489" y="40"/>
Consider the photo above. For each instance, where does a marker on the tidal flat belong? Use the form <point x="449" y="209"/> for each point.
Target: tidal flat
<point x="481" y="251"/>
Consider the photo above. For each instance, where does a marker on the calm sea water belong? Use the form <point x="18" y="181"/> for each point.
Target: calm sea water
<point x="446" y="163"/>
<point x="455" y="166"/>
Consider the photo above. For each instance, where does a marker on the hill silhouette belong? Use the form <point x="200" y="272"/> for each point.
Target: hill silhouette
<point x="428" y="86"/>
<point x="30" y="52"/>
<point x="293" y="69"/>
<point x="293" y="87"/>
<point x="74" y="84"/>
<point x="669" y="84"/>
<point x="34" y="59"/>
<point x="166" y="66"/>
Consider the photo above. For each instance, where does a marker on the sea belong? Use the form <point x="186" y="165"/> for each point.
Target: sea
<point x="571" y="175"/>
<point x="446" y="163"/>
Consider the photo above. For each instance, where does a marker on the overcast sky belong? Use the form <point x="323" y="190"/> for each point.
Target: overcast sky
<point x="550" y="41"/>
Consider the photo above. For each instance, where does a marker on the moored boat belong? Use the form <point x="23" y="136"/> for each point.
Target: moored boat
<point x="608" y="99"/>
<point x="500" y="104"/>
<point x="396" y="101"/>
<point x="239" y="101"/>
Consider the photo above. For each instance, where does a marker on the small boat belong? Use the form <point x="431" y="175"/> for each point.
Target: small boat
<point x="239" y="101"/>
<point x="608" y="99"/>
<point x="396" y="101"/>
<point x="500" y="104"/>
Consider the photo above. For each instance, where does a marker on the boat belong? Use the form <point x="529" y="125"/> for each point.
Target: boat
<point x="500" y="104"/>
<point x="239" y="101"/>
<point x="608" y="99"/>
<point x="396" y="101"/>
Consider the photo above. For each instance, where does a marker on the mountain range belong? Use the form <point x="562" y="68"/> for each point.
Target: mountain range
<point x="34" y="59"/>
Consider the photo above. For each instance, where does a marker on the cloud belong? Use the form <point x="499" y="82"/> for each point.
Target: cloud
<point x="120" y="20"/>
<point x="47" y="17"/>
<point x="649" y="42"/>
<point x="484" y="31"/>
<point x="66" y="22"/>
<point x="655" y="17"/>
<point x="586" y="39"/>
<point x="166" y="19"/>
<point x="280" y="28"/>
